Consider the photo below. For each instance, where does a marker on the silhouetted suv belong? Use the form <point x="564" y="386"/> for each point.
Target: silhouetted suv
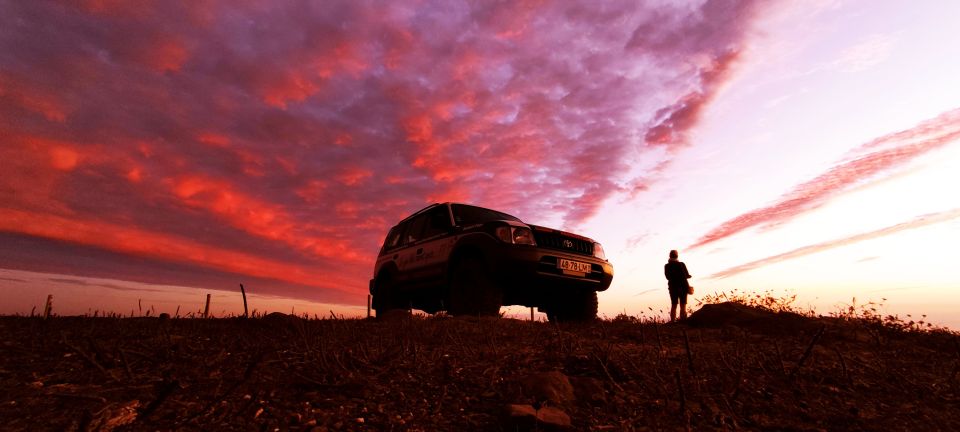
<point x="471" y="260"/>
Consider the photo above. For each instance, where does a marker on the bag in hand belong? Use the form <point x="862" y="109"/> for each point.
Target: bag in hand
<point x="690" y="290"/>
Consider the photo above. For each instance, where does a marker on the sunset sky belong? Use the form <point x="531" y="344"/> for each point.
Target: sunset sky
<point x="154" y="151"/>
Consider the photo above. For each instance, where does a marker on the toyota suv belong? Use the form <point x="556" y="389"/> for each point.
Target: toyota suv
<point x="469" y="260"/>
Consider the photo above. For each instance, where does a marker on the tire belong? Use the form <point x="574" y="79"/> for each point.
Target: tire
<point x="385" y="297"/>
<point x="471" y="290"/>
<point x="574" y="306"/>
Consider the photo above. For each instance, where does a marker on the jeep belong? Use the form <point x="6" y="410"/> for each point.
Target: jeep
<point x="470" y="260"/>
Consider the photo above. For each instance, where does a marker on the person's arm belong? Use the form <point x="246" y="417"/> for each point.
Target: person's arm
<point x="666" y="271"/>
<point x="685" y="270"/>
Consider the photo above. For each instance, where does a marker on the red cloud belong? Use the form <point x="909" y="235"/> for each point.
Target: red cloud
<point x="257" y="217"/>
<point x="25" y="94"/>
<point x="166" y="55"/>
<point x="214" y="139"/>
<point x="907" y="145"/>
<point x="920" y="221"/>
<point x="158" y="245"/>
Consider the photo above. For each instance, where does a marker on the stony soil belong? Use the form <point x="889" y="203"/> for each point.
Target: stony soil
<point x="738" y="368"/>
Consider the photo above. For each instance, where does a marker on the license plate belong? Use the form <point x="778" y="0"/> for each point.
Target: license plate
<point x="573" y="266"/>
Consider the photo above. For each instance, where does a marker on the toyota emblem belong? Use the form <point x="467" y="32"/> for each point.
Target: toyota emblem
<point x="568" y="243"/>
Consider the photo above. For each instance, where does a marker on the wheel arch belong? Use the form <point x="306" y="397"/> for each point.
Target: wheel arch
<point x="387" y="270"/>
<point x="476" y="246"/>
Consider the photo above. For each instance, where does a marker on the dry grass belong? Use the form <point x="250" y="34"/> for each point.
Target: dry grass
<point x="854" y="370"/>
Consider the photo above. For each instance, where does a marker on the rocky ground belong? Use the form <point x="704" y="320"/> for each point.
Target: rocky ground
<point x="728" y="367"/>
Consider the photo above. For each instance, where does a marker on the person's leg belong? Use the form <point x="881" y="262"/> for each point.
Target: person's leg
<point x="674" y="298"/>
<point x="683" y="305"/>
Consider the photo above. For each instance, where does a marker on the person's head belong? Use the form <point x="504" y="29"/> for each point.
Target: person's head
<point x="674" y="254"/>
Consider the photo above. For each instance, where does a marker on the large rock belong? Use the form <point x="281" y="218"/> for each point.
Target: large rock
<point x="527" y="418"/>
<point x="552" y="387"/>
<point x="280" y="319"/>
<point x="736" y="314"/>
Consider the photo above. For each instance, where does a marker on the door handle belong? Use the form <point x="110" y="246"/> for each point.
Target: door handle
<point x="419" y="251"/>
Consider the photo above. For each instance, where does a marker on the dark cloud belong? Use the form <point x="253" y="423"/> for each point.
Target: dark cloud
<point x="918" y="222"/>
<point x="873" y="159"/>
<point x="280" y="140"/>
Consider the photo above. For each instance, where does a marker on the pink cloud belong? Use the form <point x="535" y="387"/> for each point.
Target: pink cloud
<point x="673" y="122"/>
<point x="895" y="150"/>
<point x="918" y="222"/>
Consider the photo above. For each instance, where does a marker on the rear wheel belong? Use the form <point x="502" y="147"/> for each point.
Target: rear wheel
<point x="471" y="290"/>
<point x="575" y="305"/>
<point x="385" y="296"/>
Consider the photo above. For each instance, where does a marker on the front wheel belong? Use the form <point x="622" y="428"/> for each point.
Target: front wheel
<point x="576" y="305"/>
<point x="471" y="290"/>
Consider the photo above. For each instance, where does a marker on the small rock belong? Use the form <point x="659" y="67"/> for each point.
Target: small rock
<point x="590" y="390"/>
<point x="526" y="418"/>
<point x="551" y="386"/>
<point x="164" y="316"/>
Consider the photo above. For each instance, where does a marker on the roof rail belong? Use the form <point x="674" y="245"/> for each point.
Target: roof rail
<point x="419" y="212"/>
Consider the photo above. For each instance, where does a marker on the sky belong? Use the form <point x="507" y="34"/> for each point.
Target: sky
<point x="152" y="152"/>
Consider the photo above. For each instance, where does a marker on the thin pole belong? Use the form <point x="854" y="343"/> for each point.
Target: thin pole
<point x="206" y="309"/>
<point x="244" y="292"/>
<point x="531" y="313"/>
<point x="49" y="307"/>
<point x="368" y="305"/>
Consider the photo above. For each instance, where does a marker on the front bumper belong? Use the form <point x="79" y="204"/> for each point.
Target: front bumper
<point x="532" y="271"/>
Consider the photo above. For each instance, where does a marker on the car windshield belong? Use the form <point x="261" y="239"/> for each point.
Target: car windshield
<point x="470" y="215"/>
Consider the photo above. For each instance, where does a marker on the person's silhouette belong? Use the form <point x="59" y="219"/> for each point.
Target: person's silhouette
<point x="677" y="275"/>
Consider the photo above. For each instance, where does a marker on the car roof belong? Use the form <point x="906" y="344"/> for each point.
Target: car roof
<point x="431" y="206"/>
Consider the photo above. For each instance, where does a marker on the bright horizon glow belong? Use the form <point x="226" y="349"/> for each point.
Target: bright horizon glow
<point x="806" y="149"/>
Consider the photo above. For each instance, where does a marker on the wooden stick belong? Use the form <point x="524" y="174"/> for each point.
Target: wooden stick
<point x="244" y="292"/>
<point x="683" y="397"/>
<point x="783" y="368"/>
<point x="369" y="304"/>
<point x="843" y="366"/>
<point x="49" y="307"/>
<point x="206" y="309"/>
<point x="686" y="343"/>
<point x="531" y="313"/>
<point x="809" y="350"/>
<point x="656" y="326"/>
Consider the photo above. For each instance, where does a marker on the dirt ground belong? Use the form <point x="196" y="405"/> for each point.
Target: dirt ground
<point x="726" y="368"/>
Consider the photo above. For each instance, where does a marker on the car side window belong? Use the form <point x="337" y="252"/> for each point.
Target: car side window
<point x="438" y="222"/>
<point x="393" y="238"/>
<point x="414" y="231"/>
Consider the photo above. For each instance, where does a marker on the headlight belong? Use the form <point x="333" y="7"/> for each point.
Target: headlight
<point x="515" y="235"/>
<point x="598" y="251"/>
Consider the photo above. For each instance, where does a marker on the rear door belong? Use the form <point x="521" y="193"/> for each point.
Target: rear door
<point x="427" y="242"/>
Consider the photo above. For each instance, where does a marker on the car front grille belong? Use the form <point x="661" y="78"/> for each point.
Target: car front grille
<point x="552" y="240"/>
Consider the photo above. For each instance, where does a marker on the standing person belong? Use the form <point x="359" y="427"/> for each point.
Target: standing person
<point x="677" y="275"/>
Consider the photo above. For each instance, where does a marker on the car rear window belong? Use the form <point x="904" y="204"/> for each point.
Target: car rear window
<point x="469" y="215"/>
